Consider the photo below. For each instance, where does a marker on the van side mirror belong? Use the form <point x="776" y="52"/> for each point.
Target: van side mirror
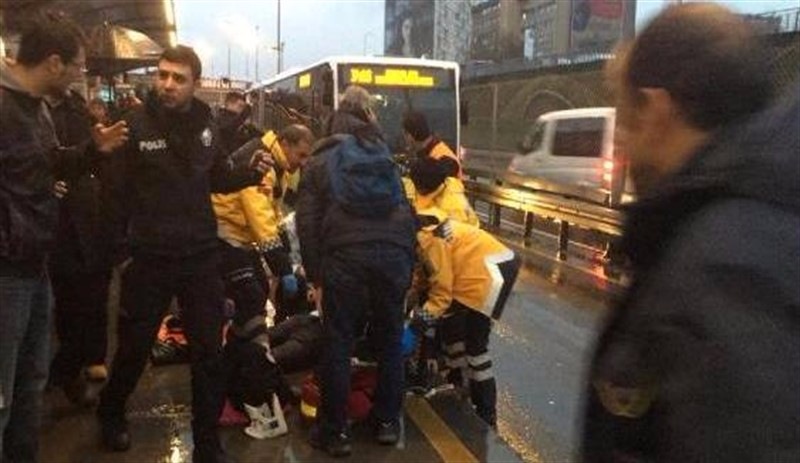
<point x="525" y="146"/>
<point x="463" y="113"/>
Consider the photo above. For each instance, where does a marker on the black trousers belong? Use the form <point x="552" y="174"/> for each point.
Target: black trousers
<point x="148" y="285"/>
<point x="245" y="282"/>
<point x="252" y="376"/>
<point x="465" y="335"/>
<point x="81" y="319"/>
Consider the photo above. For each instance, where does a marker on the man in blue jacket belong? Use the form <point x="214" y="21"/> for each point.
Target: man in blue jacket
<point x="50" y="57"/>
<point x="161" y="185"/>
<point x="699" y="360"/>
<point x="358" y="253"/>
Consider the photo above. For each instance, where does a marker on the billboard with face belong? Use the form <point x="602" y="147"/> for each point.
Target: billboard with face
<point x="599" y="24"/>
<point x="409" y="28"/>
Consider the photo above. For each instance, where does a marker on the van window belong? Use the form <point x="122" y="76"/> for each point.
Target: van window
<point x="579" y="137"/>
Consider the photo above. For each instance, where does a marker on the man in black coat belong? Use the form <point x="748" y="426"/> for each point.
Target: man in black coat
<point x="699" y="360"/>
<point x="162" y="182"/>
<point x="233" y="121"/>
<point x="79" y="265"/>
<point x="50" y="57"/>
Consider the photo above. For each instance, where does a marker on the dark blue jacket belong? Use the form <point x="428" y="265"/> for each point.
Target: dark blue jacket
<point x="323" y="226"/>
<point x="700" y="361"/>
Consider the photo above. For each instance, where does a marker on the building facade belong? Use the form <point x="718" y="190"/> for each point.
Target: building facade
<point x="575" y="26"/>
<point x="496" y="30"/>
<point x="427" y="28"/>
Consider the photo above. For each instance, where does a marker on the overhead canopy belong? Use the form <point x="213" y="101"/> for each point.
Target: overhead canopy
<point x="114" y="49"/>
<point x="153" y="18"/>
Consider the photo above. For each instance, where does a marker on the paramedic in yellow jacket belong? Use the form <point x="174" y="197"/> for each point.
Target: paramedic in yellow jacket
<point x="432" y="187"/>
<point x="470" y="276"/>
<point x="248" y="226"/>
<point x="425" y="144"/>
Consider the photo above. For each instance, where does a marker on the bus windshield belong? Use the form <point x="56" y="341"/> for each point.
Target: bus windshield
<point x="438" y="105"/>
<point x="430" y="91"/>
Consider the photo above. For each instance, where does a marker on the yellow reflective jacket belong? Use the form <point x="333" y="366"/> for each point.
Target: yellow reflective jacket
<point x="252" y="216"/>
<point x="451" y="198"/>
<point x="459" y="262"/>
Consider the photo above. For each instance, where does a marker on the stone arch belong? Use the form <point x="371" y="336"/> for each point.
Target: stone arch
<point x="545" y="101"/>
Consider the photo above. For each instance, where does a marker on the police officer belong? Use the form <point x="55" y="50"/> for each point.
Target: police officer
<point x="162" y="184"/>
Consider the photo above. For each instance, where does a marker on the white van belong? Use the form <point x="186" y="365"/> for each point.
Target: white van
<point x="574" y="149"/>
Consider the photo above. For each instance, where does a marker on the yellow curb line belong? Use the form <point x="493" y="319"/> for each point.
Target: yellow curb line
<point x="441" y="437"/>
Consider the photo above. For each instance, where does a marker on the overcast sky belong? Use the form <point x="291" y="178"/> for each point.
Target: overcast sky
<point x="313" y="29"/>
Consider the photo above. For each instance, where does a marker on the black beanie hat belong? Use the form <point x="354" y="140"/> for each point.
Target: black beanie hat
<point x="427" y="174"/>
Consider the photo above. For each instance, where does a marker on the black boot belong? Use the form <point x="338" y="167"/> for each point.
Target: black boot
<point x="114" y="433"/>
<point x="334" y="444"/>
<point x="484" y="397"/>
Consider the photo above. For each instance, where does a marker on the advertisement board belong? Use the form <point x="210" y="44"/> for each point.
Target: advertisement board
<point x="409" y="28"/>
<point x="599" y="24"/>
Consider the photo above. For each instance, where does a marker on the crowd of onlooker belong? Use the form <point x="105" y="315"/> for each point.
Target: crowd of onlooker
<point x="697" y="362"/>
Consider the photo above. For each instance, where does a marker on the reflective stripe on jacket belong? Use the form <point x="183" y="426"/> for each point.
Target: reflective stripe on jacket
<point x="460" y="263"/>
<point x="253" y="215"/>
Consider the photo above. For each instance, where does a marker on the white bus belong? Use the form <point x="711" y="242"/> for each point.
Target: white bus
<point x="310" y="94"/>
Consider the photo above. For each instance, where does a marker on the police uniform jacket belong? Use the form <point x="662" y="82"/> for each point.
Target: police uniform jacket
<point x="164" y="175"/>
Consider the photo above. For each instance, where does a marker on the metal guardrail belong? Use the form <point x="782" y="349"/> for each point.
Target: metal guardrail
<point x="506" y="192"/>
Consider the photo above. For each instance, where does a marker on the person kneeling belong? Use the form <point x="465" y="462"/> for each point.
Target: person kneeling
<point x="469" y="276"/>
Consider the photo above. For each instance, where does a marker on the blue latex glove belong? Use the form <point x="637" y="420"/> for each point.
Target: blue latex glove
<point x="289" y="285"/>
<point x="408" y="341"/>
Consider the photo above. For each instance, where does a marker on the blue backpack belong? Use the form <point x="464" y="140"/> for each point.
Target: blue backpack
<point x="364" y="177"/>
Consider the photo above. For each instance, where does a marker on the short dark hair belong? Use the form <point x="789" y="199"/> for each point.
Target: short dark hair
<point x="49" y="33"/>
<point x="295" y="133"/>
<point x="182" y="54"/>
<point x="717" y="70"/>
<point x="234" y="96"/>
<point x="416" y="124"/>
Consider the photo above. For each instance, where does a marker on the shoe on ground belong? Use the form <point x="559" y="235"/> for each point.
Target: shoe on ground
<point x="96" y="373"/>
<point x="336" y="445"/>
<point x="80" y="393"/>
<point x="114" y="434"/>
<point x="387" y="432"/>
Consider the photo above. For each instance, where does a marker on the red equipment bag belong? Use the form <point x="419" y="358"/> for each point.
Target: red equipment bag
<point x="363" y="381"/>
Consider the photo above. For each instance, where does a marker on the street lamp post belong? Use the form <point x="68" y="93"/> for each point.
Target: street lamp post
<point x="256" y="79"/>
<point x="229" y="59"/>
<point x="280" y="44"/>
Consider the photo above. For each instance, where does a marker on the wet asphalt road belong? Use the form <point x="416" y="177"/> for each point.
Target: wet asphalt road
<point x="541" y="349"/>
